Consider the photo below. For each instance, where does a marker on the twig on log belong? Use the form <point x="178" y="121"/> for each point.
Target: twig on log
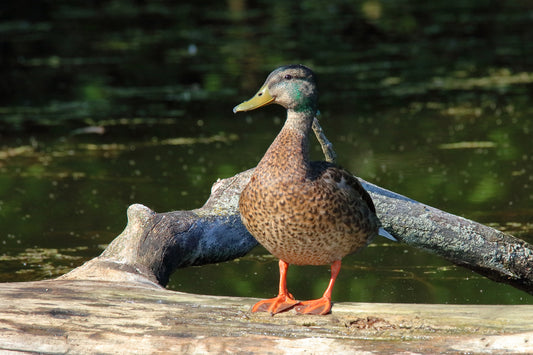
<point x="327" y="147"/>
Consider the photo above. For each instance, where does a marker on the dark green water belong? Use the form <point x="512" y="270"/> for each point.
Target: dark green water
<point x="428" y="99"/>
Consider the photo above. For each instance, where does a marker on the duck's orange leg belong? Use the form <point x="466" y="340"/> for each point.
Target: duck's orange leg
<point x="323" y="304"/>
<point x="284" y="301"/>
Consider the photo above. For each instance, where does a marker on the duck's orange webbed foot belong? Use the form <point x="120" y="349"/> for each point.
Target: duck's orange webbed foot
<point x="284" y="301"/>
<point x="319" y="306"/>
<point x="275" y="305"/>
<point x="322" y="305"/>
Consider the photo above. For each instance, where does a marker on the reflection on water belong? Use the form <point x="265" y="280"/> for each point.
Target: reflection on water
<point x="110" y="103"/>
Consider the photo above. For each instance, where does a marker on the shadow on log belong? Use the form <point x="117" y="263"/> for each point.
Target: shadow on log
<point x="153" y="244"/>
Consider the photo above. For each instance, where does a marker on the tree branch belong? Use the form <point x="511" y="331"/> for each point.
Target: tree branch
<point x="153" y="244"/>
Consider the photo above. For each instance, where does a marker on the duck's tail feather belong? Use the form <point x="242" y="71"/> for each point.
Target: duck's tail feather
<point x="386" y="234"/>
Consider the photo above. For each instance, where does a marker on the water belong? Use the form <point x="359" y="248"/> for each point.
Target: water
<point x="106" y="104"/>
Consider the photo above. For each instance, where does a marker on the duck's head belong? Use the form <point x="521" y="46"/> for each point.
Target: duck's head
<point x="291" y="86"/>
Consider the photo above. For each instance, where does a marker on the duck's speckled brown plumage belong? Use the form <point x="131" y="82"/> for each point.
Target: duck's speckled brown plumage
<point x="304" y="213"/>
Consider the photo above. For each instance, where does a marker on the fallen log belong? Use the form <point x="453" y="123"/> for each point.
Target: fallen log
<point x="153" y="244"/>
<point x="98" y="317"/>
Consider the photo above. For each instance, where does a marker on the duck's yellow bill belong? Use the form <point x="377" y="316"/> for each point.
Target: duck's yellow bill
<point x="262" y="98"/>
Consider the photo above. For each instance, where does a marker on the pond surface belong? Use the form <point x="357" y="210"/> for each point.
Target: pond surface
<point x="109" y="103"/>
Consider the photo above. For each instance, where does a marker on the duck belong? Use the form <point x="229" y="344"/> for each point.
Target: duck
<point x="303" y="212"/>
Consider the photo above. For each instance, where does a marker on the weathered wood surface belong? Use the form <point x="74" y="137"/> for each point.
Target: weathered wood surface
<point x="153" y="244"/>
<point x="97" y="317"/>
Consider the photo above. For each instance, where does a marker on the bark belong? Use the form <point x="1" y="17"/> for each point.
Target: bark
<point x="153" y="244"/>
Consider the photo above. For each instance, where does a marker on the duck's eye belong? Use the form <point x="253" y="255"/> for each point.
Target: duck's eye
<point x="288" y="77"/>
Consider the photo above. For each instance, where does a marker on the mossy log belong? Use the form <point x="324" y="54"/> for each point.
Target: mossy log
<point x="116" y="303"/>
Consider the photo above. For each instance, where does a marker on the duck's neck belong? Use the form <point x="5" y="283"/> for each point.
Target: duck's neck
<point x="288" y="155"/>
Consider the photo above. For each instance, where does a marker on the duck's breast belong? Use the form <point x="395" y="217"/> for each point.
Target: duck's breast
<point x="314" y="220"/>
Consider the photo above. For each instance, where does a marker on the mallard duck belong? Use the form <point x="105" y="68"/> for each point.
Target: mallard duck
<point x="302" y="212"/>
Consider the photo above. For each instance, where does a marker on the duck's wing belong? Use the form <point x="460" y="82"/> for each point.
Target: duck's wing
<point x="382" y="232"/>
<point x="343" y="180"/>
<point x="346" y="181"/>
